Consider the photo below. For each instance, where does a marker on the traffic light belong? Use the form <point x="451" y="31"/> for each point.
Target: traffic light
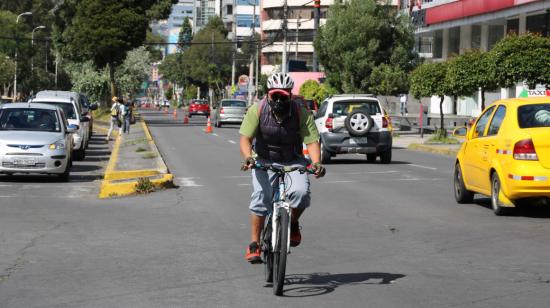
<point x="317" y="3"/>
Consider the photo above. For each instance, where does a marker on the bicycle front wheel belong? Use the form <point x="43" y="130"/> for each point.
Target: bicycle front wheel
<point x="280" y="254"/>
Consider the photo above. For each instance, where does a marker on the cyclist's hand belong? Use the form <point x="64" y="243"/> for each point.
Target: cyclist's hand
<point x="248" y="164"/>
<point x="318" y="170"/>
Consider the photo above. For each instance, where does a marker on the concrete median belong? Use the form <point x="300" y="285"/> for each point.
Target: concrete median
<point x="135" y="159"/>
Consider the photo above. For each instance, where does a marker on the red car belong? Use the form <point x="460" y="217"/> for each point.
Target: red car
<point x="309" y="104"/>
<point x="199" y="107"/>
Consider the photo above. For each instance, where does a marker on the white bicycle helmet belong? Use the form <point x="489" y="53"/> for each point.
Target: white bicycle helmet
<point x="280" y="81"/>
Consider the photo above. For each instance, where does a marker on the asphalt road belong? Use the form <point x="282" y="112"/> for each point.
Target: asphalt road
<point x="375" y="236"/>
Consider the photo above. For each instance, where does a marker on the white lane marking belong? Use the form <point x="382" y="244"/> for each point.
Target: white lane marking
<point x="367" y="172"/>
<point x="6" y="185"/>
<point x="236" y="176"/>
<point x="214" y="134"/>
<point x="231" y="141"/>
<point x="188" y="182"/>
<point x="335" y="182"/>
<point x="245" y="184"/>
<point x="8" y="196"/>
<point x="424" y="167"/>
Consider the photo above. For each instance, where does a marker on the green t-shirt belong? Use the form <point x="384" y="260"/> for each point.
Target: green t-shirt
<point x="251" y="121"/>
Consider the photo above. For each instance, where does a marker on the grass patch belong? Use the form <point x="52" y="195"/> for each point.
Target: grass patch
<point x="140" y="149"/>
<point x="102" y="114"/>
<point x="144" y="186"/>
<point x="135" y="141"/>
<point x="443" y="140"/>
<point x="149" y="155"/>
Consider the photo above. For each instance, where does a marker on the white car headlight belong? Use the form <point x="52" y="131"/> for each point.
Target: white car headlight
<point x="58" y="145"/>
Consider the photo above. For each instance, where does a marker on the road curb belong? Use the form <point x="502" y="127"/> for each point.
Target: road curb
<point x="432" y="149"/>
<point x="117" y="183"/>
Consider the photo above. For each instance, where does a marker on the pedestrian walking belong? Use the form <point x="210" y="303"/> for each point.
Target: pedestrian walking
<point x="115" y="117"/>
<point x="126" y="117"/>
<point x="403" y="104"/>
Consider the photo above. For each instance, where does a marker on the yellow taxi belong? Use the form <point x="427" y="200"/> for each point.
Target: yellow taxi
<point x="506" y="154"/>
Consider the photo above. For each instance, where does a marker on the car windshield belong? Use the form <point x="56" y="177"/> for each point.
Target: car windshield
<point x="29" y="119"/>
<point x="68" y="109"/>
<point x="342" y="108"/>
<point x="233" y="104"/>
<point x="536" y="115"/>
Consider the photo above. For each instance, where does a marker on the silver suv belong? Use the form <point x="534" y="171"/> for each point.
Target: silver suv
<point x="354" y="123"/>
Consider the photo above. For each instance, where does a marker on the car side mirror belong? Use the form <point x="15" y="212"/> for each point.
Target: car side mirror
<point x="460" y="132"/>
<point x="72" y="128"/>
<point x="93" y="106"/>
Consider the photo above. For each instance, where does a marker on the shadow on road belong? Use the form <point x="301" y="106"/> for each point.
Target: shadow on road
<point x="526" y="208"/>
<point x="306" y="285"/>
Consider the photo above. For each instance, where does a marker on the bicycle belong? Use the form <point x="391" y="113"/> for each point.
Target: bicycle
<point x="275" y="239"/>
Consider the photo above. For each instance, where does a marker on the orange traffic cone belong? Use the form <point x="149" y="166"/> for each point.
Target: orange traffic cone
<point x="208" y="126"/>
<point x="185" y="118"/>
<point x="175" y="113"/>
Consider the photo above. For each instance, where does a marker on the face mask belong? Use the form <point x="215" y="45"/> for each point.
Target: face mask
<point x="280" y="104"/>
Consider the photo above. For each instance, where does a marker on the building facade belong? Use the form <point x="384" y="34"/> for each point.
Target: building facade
<point x="445" y="28"/>
<point x="300" y="33"/>
<point x="170" y="28"/>
<point x="203" y="10"/>
<point x="240" y="17"/>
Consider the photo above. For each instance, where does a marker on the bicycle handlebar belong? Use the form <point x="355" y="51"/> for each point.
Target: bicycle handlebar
<point x="283" y="169"/>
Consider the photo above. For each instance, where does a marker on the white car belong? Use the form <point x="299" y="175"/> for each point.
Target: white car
<point x="72" y="107"/>
<point x="354" y="123"/>
<point x="35" y="138"/>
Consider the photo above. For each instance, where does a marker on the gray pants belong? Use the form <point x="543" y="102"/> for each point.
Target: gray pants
<point x="265" y="183"/>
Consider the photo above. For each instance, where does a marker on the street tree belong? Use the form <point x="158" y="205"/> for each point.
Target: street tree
<point x="360" y="36"/>
<point x="309" y="88"/>
<point x="522" y="58"/>
<point x="472" y="71"/>
<point x="86" y="78"/>
<point x="104" y="31"/>
<point x="428" y="80"/>
<point x="388" y="80"/>
<point x="134" y="70"/>
<point x="7" y="67"/>
<point x="186" y="35"/>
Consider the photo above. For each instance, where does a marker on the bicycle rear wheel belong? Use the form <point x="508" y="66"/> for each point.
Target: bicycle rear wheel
<point x="267" y="251"/>
<point x="280" y="254"/>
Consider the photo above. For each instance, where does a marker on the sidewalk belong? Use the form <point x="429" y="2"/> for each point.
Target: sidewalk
<point x="415" y="142"/>
<point x="135" y="164"/>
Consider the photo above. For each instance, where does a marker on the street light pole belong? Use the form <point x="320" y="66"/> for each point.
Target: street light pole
<point x="285" y="25"/>
<point x="316" y="17"/>
<point x="32" y="44"/>
<point x="15" y="58"/>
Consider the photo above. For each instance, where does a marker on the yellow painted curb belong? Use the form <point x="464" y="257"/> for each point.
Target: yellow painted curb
<point x="114" y="184"/>
<point x="432" y="149"/>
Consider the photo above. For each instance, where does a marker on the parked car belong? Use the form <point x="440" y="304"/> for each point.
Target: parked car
<point x="354" y="123"/>
<point x="199" y="107"/>
<point x="35" y="138"/>
<point x="87" y="109"/>
<point x="73" y="109"/>
<point x="230" y="111"/>
<point x="506" y="155"/>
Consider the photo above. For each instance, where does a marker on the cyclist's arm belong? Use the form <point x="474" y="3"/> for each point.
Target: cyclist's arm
<point x="314" y="150"/>
<point x="248" y="131"/>
<point x="246" y="146"/>
<point x="309" y="133"/>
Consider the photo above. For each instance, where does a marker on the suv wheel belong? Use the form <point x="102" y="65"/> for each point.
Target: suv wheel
<point x="325" y="155"/>
<point x="385" y="157"/>
<point x="358" y="123"/>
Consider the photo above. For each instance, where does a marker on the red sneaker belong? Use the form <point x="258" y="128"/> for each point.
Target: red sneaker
<point x="254" y="253"/>
<point x="295" y="235"/>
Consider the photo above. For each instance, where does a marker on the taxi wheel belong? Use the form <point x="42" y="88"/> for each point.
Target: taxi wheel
<point x="498" y="209"/>
<point x="462" y="195"/>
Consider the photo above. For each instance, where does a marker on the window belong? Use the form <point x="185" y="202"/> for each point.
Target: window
<point x="245" y="20"/>
<point x="229" y="10"/>
<point x="482" y="122"/>
<point x="454" y="41"/>
<point x="437" y="44"/>
<point x="29" y="119"/>
<point x="476" y="37"/>
<point x="496" y="33"/>
<point x="234" y="104"/>
<point x="68" y="109"/>
<point x="322" y="109"/>
<point x="537" y="24"/>
<point x="537" y="115"/>
<point x="248" y="2"/>
<point x="496" y="122"/>
<point x="342" y="108"/>
<point x="512" y="26"/>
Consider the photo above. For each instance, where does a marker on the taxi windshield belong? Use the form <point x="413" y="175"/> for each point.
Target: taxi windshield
<point x="536" y="115"/>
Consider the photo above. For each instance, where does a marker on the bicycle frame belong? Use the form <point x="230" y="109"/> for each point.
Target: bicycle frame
<point x="279" y="204"/>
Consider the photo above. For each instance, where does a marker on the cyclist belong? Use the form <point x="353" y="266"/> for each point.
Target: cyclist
<point x="277" y="127"/>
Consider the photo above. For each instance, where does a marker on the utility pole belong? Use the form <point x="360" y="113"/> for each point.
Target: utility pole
<point x="316" y="17"/>
<point x="284" y="69"/>
<point x="297" y="29"/>
<point x="15" y="58"/>
<point x="234" y="45"/>
<point x="252" y="54"/>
